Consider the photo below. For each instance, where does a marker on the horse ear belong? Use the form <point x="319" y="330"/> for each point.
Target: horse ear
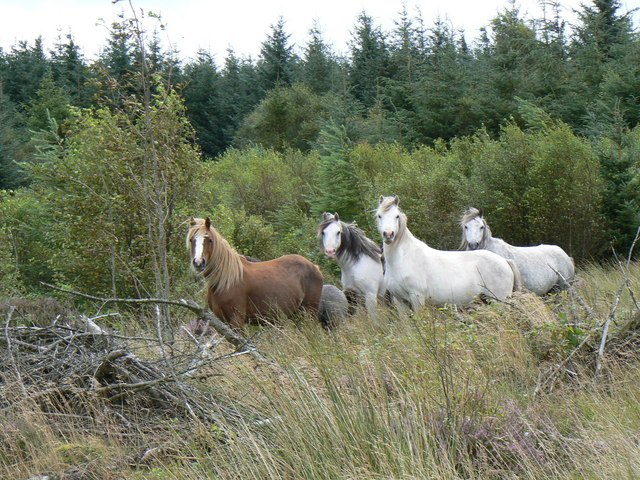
<point x="192" y="221"/>
<point x="380" y="199"/>
<point x="396" y="200"/>
<point x="207" y="223"/>
<point x="326" y="216"/>
<point x="336" y="217"/>
<point x="481" y="210"/>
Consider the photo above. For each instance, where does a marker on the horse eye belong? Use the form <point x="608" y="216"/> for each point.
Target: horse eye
<point x="482" y="227"/>
<point x="397" y="216"/>
<point x="466" y="227"/>
<point x="379" y="216"/>
<point x="337" y="234"/>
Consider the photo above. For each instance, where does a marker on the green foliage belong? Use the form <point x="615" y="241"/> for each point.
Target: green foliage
<point x="23" y="70"/>
<point x="337" y="182"/>
<point x="620" y="171"/>
<point x="501" y="173"/>
<point x="26" y="241"/>
<point x="96" y="191"/>
<point x="566" y="193"/>
<point x="259" y="181"/>
<point x="50" y="102"/>
<point x="432" y="189"/>
<point x="289" y="117"/>
<point x="9" y="272"/>
<point x="319" y="68"/>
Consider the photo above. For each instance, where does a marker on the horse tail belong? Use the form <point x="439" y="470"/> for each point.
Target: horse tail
<point x="517" y="278"/>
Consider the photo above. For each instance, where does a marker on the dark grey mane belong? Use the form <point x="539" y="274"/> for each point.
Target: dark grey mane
<point x="354" y="242"/>
<point x="467" y="216"/>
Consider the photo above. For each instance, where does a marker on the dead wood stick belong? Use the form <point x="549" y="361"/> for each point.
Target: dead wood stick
<point x="549" y="377"/>
<point x="7" y="337"/>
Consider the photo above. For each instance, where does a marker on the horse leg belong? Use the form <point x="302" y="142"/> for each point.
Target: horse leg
<point x="311" y="300"/>
<point x="416" y="301"/>
<point x="371" y="304"/>
<point x="352" y="299"/>
<point x="235" y="316"/>
<point x="402" y="306"/>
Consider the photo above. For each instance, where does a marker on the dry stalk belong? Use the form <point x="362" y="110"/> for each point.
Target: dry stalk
<point x="614" y="308"/>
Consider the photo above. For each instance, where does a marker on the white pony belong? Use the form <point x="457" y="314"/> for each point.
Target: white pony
<point x="417" y="273"/>
<point x="358" y="257"/>
<point x="542" y="267"/>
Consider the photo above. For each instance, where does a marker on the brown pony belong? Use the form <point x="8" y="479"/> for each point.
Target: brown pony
<point x="239" y="290"/>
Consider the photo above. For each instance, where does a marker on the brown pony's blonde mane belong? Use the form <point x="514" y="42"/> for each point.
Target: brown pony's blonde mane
<point x="223" y="268"/>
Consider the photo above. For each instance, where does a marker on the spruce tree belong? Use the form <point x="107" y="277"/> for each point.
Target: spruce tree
<point x="11" y="176"/>
<point x="318" y="65"/>
<point x="370" y="62"/>
<point x="275" y="64"/>
<point x="70" y="71"/>
<point x="202" y="99"/>
<point x="24" y="69"/>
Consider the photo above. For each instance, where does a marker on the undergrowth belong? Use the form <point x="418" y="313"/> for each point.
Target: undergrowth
<point x="499" y="390"/>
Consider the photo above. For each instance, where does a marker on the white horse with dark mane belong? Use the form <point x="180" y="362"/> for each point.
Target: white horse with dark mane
<point x="419" y="274"/>
<point x="542" y="267"/>
<point x="358" y="257"/>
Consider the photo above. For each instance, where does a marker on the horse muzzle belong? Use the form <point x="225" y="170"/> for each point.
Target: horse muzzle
<point x="198" y="265"/>
<point x="473" y="245"/>
<point x="330" y="253"/>
<point x="388" y="237"/>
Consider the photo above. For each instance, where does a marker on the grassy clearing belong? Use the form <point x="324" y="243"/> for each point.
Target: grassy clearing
<point x="497" y="391"/>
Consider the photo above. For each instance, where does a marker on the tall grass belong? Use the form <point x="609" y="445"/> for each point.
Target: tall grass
<point x="485" y="392"/>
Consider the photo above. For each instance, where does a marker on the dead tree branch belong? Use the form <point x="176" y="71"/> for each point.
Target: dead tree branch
<point x="222" y="328"/>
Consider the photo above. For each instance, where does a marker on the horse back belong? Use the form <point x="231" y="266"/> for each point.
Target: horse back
<point x="287" y="283"/>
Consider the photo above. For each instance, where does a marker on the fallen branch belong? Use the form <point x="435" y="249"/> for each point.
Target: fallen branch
<point x="222" y="328"/>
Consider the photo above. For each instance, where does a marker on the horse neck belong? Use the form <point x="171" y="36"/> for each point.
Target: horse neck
<point x="224" y="265"/>
<point x="487" y="239"/>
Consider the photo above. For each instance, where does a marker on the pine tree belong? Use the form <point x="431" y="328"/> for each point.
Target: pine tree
<point x="24" y="69"/>
<point x="202" y="99"/>
<point x="239" y="93"/>
<point x="442" y="104"/>
<point x="318" y="65"/>
<point x="70" y="71"/>
<point x="49" y="102"/>
<point x="276" y="61"/>
<point x="337" y="181"/>
<point x="370" y="61"/>
<point x="604" y="48"/>
<point x="11" y="176"/>
<point x="117" y="57"/>
<point x="406" y="43"/>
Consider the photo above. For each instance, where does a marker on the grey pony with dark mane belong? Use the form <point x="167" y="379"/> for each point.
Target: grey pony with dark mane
<point x="359" y="259"/>
<point x="542" y="267"/>
<point x="353" y="241"/>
